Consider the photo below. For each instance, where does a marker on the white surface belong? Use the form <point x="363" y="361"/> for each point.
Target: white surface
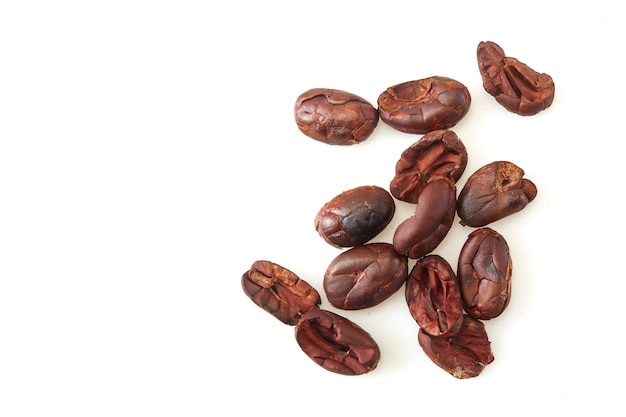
<point x="148" y="155"/>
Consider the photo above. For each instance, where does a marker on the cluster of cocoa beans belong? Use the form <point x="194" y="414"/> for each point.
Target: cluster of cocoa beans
<point x="447" y="306"/>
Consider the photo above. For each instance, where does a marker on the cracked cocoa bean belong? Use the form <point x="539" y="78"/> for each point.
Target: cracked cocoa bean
<point x="336" y="343"/>
<point x="437" y="153"/>
<point x="424" y="105"/>
<point x="516" y="86"/>
<point x="335" y="117"/>
<point x="279" y="291"/>
<point x="493" y="192"/>
<point x="432" y="294"/>
<point x="484" y="272"/>
<point x="463" y="355"/>
<point x="434" y="213"/>
<point x="355" y="216"/>
<point x="364" y="276"/>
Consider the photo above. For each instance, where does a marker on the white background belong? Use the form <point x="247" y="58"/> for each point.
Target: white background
<point x="148" y="155"/>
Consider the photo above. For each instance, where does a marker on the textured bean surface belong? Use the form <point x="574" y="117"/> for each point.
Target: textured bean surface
<point x="437" y="153"/>
<point x="424" y="105"/>
<point x="364" y="276"/>
<point x="279" y="291"/>
<point x="463" y="355"/>
<point x="434" y="213"/>
<point x="355" y="216"/>
<point x="484" y="272"/>
<point x="336" y="343"/>
<point x="493" y="192"/>
<point x="432" y="294"/>
<point x="335" y="117"/>
<point x="515" y="85"/>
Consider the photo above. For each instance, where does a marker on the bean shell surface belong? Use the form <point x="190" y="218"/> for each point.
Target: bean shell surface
<point x="336" y="344"/>
<point x="335" y="117"/>
<point x="355" y="216"/>
<point x="364" y="276"/>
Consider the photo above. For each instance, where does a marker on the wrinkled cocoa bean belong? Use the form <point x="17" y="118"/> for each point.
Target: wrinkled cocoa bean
<point x="364" y="276"/>
<point x="484" y="273"/>
<point x="279" y="291"/>
<point x="434" y="213"/>
<point x="432" y="294"/>
<point x="424" y="105"/>
<point x="516" y="86"/>
<point x="336" y="343"/>
<point x="355" y="216"/>
<point x="438" y="153"/>
<point x="335" y="117"/>
<point x="493" y="192"/>
<point x="463" y="355"/>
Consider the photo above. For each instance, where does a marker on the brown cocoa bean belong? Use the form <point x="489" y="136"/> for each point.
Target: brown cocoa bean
<point x="336" y="343"/>
<point x="279" y="291"/>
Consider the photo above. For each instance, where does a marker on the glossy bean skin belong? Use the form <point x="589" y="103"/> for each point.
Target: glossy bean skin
<point x="335" y="117"/>
<point x="424" y="105"/>
<point x="355" y="216"/>
<point x="484" y="272"/>
<point x="463" y="355"/>
<point x="279" y="291"/>
<point x="433" y="296"/>
<point x="494" y="192"/>
<point x="516" y="86"/>
<point x="437" y="153"/>
<point x="434" y="213"/>
<point x="336" y="343"/>
<point x="364" y="276"/>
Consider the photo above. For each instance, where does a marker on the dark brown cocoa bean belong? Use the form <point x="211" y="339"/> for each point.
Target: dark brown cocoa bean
<point x="355" y="216"/>
<point x="434" y="213"/>
<point x="336" y="343"/>
<point x="364" y="276"/>
<point x="463" y="355"/>
<point x="438" y="153"/>
<point x="516" y="86"/>
<point x="424" y="105"/>
<point x="432" y="294"/>
<point x="484" y="272"/>
<point x="335" y="117"/>
<point x="279" y="291"/>
<point x="493" y="192"/>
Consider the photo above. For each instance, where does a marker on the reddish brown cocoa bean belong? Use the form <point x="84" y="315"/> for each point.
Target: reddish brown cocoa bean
<point x="364" y="276"/>
<point x="432" y="294"/>
<point x="484" y="272"/>
<point x="335" y="117"/>
<point x="436" y="154"/>
<point x="424" y="105"/>
<point x="355" y="216"/>
<point x="493" y="192"/>
<point x="516" y="86"/>
<point x="279" y="291"/>
<point x="463" y="355"/>
<point x="336" y="343"/>
<point x="434" y="213"/>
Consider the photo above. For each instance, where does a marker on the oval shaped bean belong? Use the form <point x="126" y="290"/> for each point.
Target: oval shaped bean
<point x="355" y="216"/>
<point x="364" y="276"/>
<point x="437" y="153"/>
<point x="432" y="294"/>
<point x="493" y="192"/>
<point x="463" y="355"/>
<point x="516" y="86"/>
<point x="335" y="117"/>
<point x="424" y="105"/>
<point x="484" y="272"/>
<point x="279" y="291"/>
<point x="434" y="213"/>
<point x="336" y="343"/>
